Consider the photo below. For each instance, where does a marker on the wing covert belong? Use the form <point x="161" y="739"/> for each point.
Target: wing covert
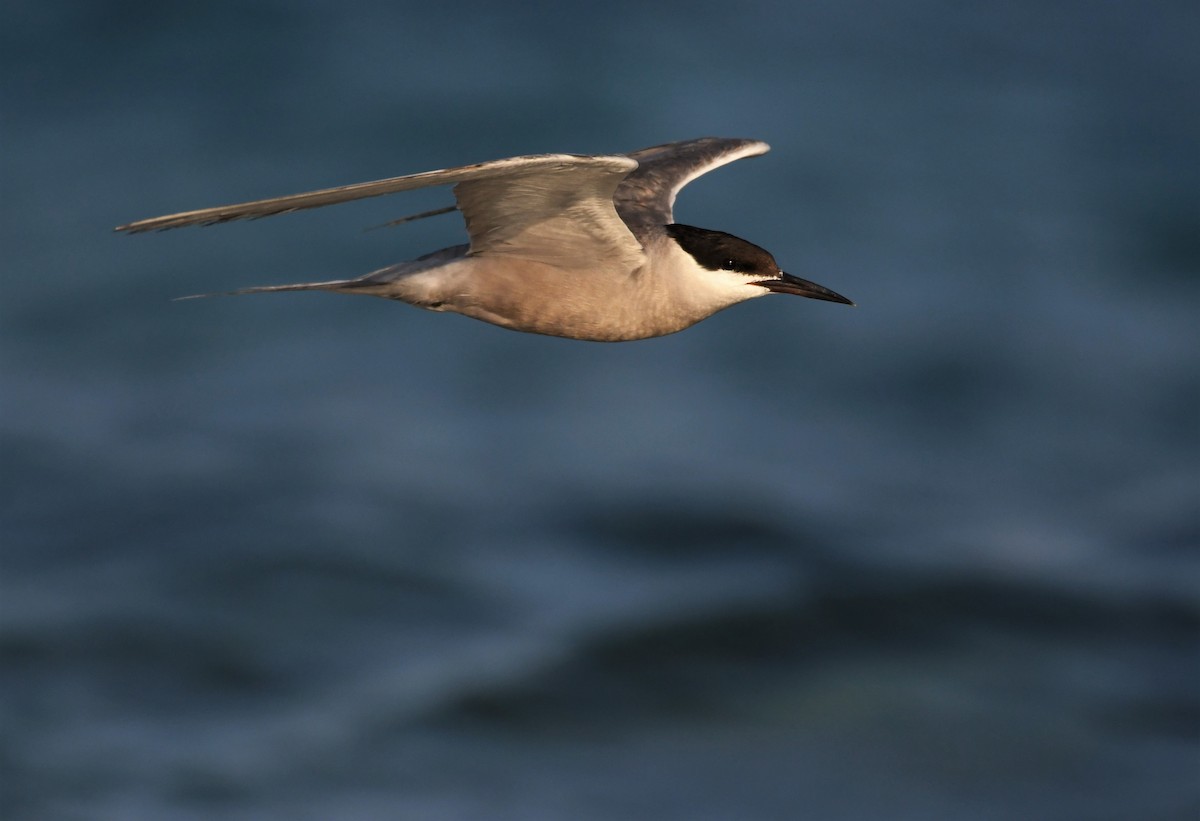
<point x="559" y="212"/>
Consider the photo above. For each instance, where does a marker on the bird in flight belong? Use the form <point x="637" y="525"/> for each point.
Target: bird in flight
<point x="577" y="246"/>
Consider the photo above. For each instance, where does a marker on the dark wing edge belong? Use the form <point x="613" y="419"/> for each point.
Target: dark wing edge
<point x="648" y="193"/>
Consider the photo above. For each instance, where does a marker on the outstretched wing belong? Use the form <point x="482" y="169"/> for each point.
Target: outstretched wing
<point x="647" y="195"/>
<point x="552" y="208"/>
<point x="498" y="169"/>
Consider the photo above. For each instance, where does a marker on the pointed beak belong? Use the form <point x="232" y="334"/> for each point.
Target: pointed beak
<point x="788" y="284"/>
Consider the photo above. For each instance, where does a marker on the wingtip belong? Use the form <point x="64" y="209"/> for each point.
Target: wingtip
<point x="154" y="224"/>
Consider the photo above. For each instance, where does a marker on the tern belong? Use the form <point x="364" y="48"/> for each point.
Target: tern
<point x="569" y="245"/>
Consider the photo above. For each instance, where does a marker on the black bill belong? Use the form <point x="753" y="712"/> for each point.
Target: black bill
<point x="788" y="284"/>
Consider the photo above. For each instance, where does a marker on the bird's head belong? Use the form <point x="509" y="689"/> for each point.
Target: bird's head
<point x="744" y="262"/>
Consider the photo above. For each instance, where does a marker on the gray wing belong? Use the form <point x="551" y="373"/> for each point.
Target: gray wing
<point x="552" y="208"/>
<point x="648" y="194"/>
<point x="497" y="169"/>
<point x="559" y="211"/>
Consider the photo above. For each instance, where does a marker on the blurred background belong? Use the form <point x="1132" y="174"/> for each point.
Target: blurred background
<point x="306" y="556"/>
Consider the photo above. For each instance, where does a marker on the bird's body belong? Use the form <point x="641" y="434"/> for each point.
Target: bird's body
<point x="583" y="247"/>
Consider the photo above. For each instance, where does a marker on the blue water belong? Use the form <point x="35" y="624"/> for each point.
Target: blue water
<point x="311" y="557"/>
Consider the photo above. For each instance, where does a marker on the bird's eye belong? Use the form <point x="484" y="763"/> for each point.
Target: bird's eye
<point x="727" y="265"/>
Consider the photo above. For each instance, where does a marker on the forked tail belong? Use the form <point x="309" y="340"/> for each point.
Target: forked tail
<point x="344" y="285"/>
<point x="376" y="283"/>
